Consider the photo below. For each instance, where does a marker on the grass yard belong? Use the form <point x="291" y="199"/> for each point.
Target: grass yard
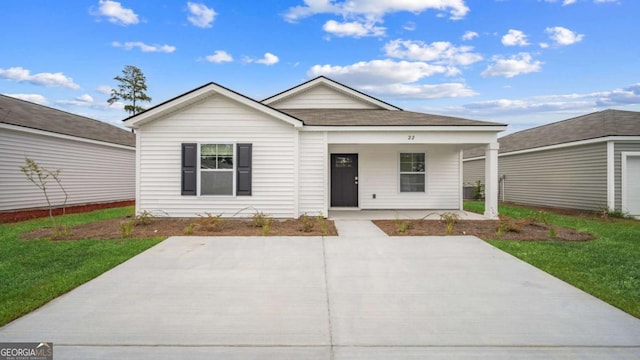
<point x="33" y="272"/>
<point x="607" y="267"/>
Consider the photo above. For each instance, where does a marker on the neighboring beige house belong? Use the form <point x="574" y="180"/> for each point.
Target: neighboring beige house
<point x="589" y="162"/>
<point x="318" y="146"/>
<point x="97" y="159"/>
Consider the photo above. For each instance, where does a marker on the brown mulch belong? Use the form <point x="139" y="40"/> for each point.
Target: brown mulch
<point x="521" y="230"/>
<point x="165" y="227"/>
<point x="22" y="215"/>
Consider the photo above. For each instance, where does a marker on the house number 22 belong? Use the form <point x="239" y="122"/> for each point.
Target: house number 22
<point x="411" y="137"/>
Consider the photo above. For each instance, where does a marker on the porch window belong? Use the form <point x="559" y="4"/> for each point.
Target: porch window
<point x="412" y="172"/>
<point x="216" y="169"/>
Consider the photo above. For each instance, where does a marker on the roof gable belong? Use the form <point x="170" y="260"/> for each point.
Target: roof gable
<point x="33" y="116"/>
<point x="322" y="92"/>
<point x="193" y="96"/>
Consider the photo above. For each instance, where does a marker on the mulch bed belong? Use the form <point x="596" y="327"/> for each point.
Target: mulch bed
<point x="165" y="227"/>
<point x="22" y="215"/>
<point x="521" y="230"/>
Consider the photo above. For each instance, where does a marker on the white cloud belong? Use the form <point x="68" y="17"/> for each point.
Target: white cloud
<point x="519" y="64"/>
<point x="20" y="74"/>
<point x="378" y="72"/>
<point x="85" y="100"/>
<point x="268" y="59"/>
<point x="515" y="38"/>
<point x="353" y="29"/>
<point x="564" y="2"/>
<point x="409" y="26"/>
<point x="115" y="13"/>
<point x="573" y="103"/>
<point x="377" y="8"/>
<point x="544" y="45"/>
<point x="219" y="56"/>
<point x="562" y="36"/>
<point x="440" y="52"/>
<point x="200" y="15"/>
<point x="144" y="47"/>
<point x="422" y="91"/>
<point x="104" y="89"/>
<point x="469" y="35"/>
<point x="34" y="98"/>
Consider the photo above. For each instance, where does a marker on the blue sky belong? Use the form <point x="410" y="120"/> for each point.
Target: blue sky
<point x="521" y="62"/>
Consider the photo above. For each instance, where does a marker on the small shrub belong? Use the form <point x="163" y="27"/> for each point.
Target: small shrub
<point x="39" y="176"/>
<point x="258" y="219"/>
<point x="306" y="224"/>
<point x="188" y="230"/>
<point x="606" y="213"/>
<point x="126" y="228"/>
<point x="143" y="218"/>
<point x="402" y="225"/>
<point x="322" y="222"/>
<point x="210" y="222"/>
<point x="539" y="217"/>
<point x="508" y="225"/>
<point x="266" y="227"/>
<point x="478" y="191"/>
<point x="449" y="219"/>
<point x="552" y="232"/>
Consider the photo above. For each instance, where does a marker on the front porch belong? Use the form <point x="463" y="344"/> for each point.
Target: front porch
<point x="356" y="214"/>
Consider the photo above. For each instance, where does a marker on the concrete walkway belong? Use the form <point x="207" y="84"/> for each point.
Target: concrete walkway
<point x="361" y="295"/>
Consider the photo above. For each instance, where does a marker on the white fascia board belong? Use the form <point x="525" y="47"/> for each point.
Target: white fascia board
<point x="412" y="137"/>
<point x="564" y="145"/>
<point x="206" y="91"/>
<point x="322" y="80"/>
<point x="386" y="129"/>
<point x="63" y="136"/>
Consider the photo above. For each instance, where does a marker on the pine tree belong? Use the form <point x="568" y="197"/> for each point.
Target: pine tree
<point x="132" y="88"/>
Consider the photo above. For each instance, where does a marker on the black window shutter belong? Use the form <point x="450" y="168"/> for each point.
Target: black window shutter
<point x="243" y="170"/>
<point x="189" y="168"/>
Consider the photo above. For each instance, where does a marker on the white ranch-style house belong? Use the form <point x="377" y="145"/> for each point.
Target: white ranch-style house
<point x="318" y="146"/>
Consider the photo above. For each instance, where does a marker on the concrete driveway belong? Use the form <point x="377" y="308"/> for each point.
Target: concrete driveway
<point x="361" y="295"/>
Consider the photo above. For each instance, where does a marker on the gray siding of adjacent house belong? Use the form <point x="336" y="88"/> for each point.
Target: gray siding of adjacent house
<point x="619" y="147"/>
<point x="571" y="177"/>
<point x="473" y="170"/>
<point x="91" y="172"/>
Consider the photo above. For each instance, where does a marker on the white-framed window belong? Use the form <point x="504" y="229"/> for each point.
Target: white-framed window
<point x="217" y="165"/>
<point x="412" y="172"/>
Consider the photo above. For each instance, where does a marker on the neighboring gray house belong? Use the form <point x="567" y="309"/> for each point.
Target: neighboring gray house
<point x="588" y="162"/>
<point x="97" y="159"/>
<point x="318" y="146"/>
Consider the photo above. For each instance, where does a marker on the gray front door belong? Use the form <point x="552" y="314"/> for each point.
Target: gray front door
<point x="344" y="180"/>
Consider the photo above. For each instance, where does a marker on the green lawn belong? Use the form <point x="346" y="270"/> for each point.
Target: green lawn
<point x="33" y="272"/>
<point x="607" y="267"/>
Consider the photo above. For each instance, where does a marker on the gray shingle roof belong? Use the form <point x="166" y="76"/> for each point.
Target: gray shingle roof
<point x="27" y="114"/>
<point x="366" y="117"/>
<point x="591" y="126"/>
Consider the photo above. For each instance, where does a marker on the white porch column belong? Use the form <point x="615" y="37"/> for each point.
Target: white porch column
<point x="491" y="181"/>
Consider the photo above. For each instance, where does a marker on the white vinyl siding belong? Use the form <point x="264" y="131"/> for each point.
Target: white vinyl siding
<point x="571" y="177"/>
<point x="218" y="120"/>
<point x="313" y="173"/>
<point x="322" y="97"/>
<point x="378" y="173"/>
<point x="619" y="147"/>
<point x="90" y="172"/>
